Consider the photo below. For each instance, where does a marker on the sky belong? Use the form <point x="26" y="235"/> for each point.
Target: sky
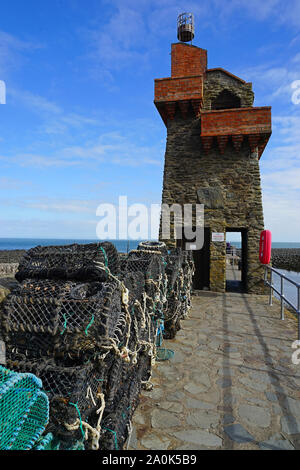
<point x="79" y="127"/>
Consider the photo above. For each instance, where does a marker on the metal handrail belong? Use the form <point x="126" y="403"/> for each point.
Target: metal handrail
<point x="283" y="298"/>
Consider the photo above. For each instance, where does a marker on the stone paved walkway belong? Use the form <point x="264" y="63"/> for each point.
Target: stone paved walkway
<point x="231" y="383"/>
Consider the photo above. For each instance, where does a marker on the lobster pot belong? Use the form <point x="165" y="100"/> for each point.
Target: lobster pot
<point x="46" y="317"/>
<point x="172" y="320"/>
<point x="179" y="270"/>
<point x="174" y="264"/>
<point x="117" y="417"/>
<point x="186" y="288"/>
<point x="71" y="323"/>
<point x="71" y="391"/>
<point x="70" y="262"/>
<point x="134" y="281"/>
<point x="147" y="262"/>
<point x="24" y="410"/>
<point x="159" y="247"/>
<point x="153" y="268"/>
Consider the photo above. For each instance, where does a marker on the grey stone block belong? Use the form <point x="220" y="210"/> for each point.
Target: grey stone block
<point x="238" y="433"/>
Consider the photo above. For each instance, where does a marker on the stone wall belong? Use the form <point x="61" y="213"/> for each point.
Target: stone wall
<point x="286" y="258"/>
<point x="217" y="80"/>
<point x="235" y="176"/>
<point x="8" y="269"/>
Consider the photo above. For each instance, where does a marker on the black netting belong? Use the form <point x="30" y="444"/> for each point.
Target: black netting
<point x="117" y="418"/>
<point x="146" y="262"/>
<point x="69" y="390"/>
<point x="88" y="322"/>
<point x="68" y="316"/>
<point x="71" y="262"/>
<point x="154" y="246"/>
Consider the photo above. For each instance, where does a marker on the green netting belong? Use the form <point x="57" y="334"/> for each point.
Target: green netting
<point x="163" y="354"/>
<point x="49" y="442"/>
<point x="24" y="410"/>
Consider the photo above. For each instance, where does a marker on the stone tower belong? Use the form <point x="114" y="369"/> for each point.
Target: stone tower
<point x="215" y="138"/>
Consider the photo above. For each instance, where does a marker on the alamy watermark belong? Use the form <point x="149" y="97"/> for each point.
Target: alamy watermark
<point x="139" y="222"/>
<point x="296" y="354"/>
<point x="2" y="92"/>
<point x="296" y="95"/>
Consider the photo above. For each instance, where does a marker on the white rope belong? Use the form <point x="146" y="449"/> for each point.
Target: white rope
<point x="88" y="428"/>
<point x="130" y="429"/>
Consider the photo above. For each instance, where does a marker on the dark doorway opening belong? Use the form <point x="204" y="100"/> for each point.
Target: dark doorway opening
<point x="236" y="260"/>
<point x="226" y="100"/>
<point x="201" y="260"/>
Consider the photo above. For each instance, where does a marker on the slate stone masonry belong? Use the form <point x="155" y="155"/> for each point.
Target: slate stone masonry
<point x="235" y="176"/>
<point x="212" y="155"/>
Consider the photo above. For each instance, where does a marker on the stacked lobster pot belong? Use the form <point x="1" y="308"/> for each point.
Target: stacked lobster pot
<point x="68" y="323"/>
<point x="179" y="273"/>
<point x="88" y="323"/>
<point x="187" y="273"/>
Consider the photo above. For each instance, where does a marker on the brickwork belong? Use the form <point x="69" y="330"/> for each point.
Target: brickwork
<point x="236" y="121"/>
<point x="183" y="88"/>
<point x="187" y="61"/>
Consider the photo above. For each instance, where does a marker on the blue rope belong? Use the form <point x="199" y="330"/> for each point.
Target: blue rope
<point x="159" y="335"/>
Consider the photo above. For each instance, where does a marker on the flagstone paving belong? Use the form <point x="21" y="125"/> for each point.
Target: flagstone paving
<point x="231" y="383"/>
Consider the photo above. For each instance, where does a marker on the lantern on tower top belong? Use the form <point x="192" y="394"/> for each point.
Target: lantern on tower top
<point x="185" y="27"/>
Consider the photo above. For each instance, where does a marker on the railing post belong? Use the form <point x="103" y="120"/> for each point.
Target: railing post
<point x="281" y="298"/>
<point x="271" y="287"/>
<point x="298" y="307"/>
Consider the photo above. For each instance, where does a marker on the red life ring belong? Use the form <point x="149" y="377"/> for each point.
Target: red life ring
<point x="265" y="246"/>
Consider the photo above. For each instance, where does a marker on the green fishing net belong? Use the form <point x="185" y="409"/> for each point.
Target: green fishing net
<point x="164" y="354"/>
<point x="49" y="442"/>
<point x="24" y="410"/>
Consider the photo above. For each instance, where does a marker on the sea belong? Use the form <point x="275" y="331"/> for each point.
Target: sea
<point x="127" y="245"/>
<point x="27" y="243"/>
<point x="274" y="244"/>
<point x="121" y="245"/>
<point x="290" y="290"/>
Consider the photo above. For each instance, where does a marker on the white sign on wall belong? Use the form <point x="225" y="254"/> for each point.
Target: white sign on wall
<point x="190" y="246"/>
<point x="218" y="237"/>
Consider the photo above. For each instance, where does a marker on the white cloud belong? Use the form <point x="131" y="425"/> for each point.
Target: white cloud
<point x="57" y="205"/>
<point x="280" y="167"/>
<point x="10" y="49"/>
<point x="273" y="81"/>
<point x="111" y="148"/>
<point x="296" y="58"/>
<point x="32" y="227"/>
<point x="33" y="101"/>
<point x="276" y="10"/>
<point x="66" y="206"/>
<point x="13" y="184"/>
<point x="281" y="213"/>
<point x="283" y="182"/>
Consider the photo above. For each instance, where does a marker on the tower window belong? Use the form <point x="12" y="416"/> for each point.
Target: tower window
<point x="226" y="100"/>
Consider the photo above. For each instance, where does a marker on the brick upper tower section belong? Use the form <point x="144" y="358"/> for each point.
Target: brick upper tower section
<point x="184" y="89"/>
<point x="222" y="101"/>
<point x="187" y="60"/>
